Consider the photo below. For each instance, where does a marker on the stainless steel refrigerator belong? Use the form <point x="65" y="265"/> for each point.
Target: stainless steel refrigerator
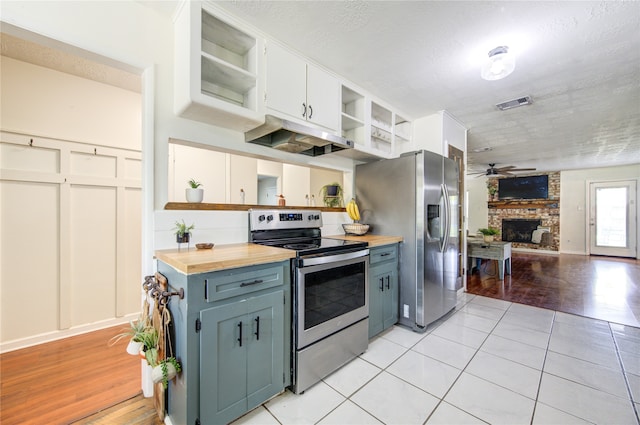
<point x="416" y="196"/>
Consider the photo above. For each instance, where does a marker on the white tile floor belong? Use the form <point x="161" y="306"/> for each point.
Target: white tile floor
<point x="490" y="361"/>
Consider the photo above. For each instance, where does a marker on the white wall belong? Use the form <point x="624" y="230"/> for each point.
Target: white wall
<point x="573" y="201"/>
<point x="428" y="134"/>
<point x="44" y="102"/>
<point x="186" y="163"/>
<point x="436" y="132"/>
<point x="574" y="185"/>
<point x="453" y="134"/>
<point x="478" y="213"/>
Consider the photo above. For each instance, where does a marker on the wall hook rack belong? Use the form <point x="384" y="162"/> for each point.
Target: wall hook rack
<point x="156" y="287"/>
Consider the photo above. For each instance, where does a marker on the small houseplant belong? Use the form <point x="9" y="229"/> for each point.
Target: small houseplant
<point x="489" y="233"/>
<point x="332" y="194"/>
<point x="194" y="193"/>
<point x="183" y="232"/>
<point x="135" y="332"/>
<point x="162" y="370"/>
<point x="165" y="370"/>
<point x="492" y="189"/>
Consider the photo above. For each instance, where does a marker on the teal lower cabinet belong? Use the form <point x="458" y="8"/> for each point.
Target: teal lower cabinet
<point x="232" y="336"/>
<point x="241" y="356"/>
<point x="383" y="288"/>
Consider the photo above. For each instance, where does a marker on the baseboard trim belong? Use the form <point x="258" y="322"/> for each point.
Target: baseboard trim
<point x="574" y="253"/>
<point x="535" y="251"/>
<point x="18" y="344"/>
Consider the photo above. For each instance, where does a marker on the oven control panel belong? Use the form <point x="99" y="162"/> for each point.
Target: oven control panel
<point x="266" y="219"/>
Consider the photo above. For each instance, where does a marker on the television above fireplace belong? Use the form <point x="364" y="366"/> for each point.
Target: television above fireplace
<point x="525" y="187"/>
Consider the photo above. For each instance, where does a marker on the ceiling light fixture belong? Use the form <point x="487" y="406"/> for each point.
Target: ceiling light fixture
<point x="499" y="64"/>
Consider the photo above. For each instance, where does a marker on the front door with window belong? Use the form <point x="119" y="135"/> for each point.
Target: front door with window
<point x="612" y="218"/>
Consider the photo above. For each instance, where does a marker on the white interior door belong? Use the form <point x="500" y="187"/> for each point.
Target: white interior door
<point x="612" y="218"/>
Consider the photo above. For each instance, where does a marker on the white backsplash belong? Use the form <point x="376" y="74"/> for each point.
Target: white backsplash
<point x="223" y="227"/>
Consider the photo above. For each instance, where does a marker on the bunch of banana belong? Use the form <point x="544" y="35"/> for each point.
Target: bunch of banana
<point x="352" y="210"/>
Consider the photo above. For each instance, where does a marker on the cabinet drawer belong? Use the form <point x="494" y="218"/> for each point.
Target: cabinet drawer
<point x="384" y="253"/>
<point x="232" y="283"/>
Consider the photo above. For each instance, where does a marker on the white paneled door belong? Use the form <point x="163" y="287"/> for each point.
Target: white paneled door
<point x="612" y="218"/>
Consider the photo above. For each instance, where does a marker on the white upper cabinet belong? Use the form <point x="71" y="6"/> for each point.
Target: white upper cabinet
<point x="301" y="90"/>
<point x="217" y="66"/>
<point x="377" y="131"/>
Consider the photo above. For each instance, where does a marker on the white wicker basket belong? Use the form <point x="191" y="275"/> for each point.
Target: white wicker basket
<point x="355" y="228"/>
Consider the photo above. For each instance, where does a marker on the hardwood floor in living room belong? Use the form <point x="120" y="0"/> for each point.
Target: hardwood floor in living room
<point x="81" y="380"/>
<point x="605" y="288"/>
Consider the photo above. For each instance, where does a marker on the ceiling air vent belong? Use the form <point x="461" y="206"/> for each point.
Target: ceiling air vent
<point x="515" y="103"/>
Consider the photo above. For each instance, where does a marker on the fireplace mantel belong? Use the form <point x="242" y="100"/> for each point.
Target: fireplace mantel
<point x="522" y="203"/>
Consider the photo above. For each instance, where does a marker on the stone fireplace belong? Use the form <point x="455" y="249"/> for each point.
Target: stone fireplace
<point x="523" y="216"/>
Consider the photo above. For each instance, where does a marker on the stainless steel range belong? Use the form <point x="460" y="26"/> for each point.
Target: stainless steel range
<point x="331" y="291"/>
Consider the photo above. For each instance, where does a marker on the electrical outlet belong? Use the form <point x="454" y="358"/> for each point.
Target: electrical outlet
<point x="406" y="311"/>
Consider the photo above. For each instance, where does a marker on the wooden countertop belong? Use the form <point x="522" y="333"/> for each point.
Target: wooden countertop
<point x="230" y="256"/>
<point x="372" y="240"/>
<point x="222" y="257"/>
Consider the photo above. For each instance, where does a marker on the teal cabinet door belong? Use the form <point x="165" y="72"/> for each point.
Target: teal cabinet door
<point x="223" y="363"/>
<point x="265" y="350"/>
<point x="241" y="356"/>
<point x="390" y="299"/>
<point x="383" y="288"/>
<point x="376" y="286"/>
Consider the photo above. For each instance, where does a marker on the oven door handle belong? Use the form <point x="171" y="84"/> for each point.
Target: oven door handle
<point x="326" y="259"/>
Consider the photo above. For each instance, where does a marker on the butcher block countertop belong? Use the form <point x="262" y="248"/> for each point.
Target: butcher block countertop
<point x="222" y="257"/>
<point x="230" y="256"/>
<point x="372" y="240"/>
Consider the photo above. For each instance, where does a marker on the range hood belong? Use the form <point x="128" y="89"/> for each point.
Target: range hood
<point x="291" y="137"/>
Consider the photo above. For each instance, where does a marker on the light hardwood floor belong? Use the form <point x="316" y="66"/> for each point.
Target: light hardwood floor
<point x="64" y="381"/>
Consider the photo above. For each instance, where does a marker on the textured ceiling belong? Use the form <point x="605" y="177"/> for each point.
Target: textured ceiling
<point x="580" y="62"/>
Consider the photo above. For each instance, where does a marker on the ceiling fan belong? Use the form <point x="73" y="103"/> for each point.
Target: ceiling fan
<point x="501" y="171"/>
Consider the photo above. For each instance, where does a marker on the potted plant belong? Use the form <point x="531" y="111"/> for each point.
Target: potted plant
<point x="194" y="193"/>
<point x="165" y="370"/>
<point x="492" y="189"/>
<point x="162" y="370"/>
<point x="182" y="232"/>
<point x="489" y="233"/>
<point x="134" y="332"/>
<point x="332" y="194"/>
